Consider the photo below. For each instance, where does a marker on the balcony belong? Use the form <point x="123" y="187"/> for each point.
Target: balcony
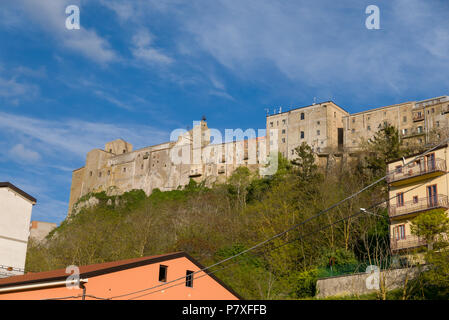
<point x="418" y="116"/>
<point x="417" y="171"/>
<point x="409" y="242"/>
<point x="412" y="133"/>
<point x="422" y="204"/>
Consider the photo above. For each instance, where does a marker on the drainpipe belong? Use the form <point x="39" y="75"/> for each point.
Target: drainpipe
<point x="45" y="285"/>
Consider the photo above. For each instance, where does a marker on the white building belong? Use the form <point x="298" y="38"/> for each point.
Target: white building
<point x="15" y="215"/>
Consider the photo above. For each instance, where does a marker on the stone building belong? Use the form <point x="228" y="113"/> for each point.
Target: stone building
<point x="319" y="125"/>
<point x="40" y="229"/>
<point x="167" y="166"/>
<point x="333" y="133"/>
<point x="416" y="122"/>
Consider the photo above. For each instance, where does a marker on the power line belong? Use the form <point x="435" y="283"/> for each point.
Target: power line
<point x="296" y="239"/>
<point x="296" y="225"/>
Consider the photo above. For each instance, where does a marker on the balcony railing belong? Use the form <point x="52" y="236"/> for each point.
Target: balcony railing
<point x="414" y="169"/>
<point x="412" y="132"/>
<point x="422" y="204"/>
<point x="408" y="243"/>
<point x="418" y="116"/>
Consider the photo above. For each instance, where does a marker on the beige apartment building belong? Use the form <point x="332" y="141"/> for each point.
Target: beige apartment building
<point x="419" y="187"/>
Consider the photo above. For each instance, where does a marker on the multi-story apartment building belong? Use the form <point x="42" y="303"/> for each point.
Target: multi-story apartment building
<point x="416" y="122"/>
<point x="416" y="188"/>
<point x="331" y="130"/>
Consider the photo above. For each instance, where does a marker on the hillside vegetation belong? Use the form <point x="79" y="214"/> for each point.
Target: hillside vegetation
<point x="217" y="222"/>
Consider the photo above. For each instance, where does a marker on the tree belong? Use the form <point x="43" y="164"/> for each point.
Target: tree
<point x="382" y="148"/>
<point x="305" y="165"/>
<point x="431" y="225"/>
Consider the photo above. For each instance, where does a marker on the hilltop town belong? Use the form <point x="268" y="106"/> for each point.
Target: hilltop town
<point x="334" y="135"/>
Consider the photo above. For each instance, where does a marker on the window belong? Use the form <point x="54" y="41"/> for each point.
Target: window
<point x="162" y="273"/>
<point x="438" y="123"/>
<point x="124" y="151"/>
<point x="404" y="131"/>
<point x="141" y="166"/>
<point x="318" y="132"/>
<point x="398" y="169"/>
<point x="353" y="120"/>
<point x="318" y="123"/>
<point x="415" y="199"/>
<point x="400" y="199"/>
<point x="302" y="115"/>
<point x="399" y="232"/>
<point x="293" y="152"/>
<point x="189" y="278"/>
<point x="432" y="196"/>
<point x="353" y="130"/>
<point x="335" y="114"/>
<point x="419" y="129"/>
<point x="124" y="169"/>
<point x="110" y="150"/>
<point x="302" y="134"/>
<point x="404" y="119"/>
<point x="90" y="173"/>
<point x="109" y="172"/>
<point x="369" y="128"/>
<point x="99" y="174"/>
<point x="283" y="121"/>
<point x="283" y="140"/>
<point x="283" y="131"/>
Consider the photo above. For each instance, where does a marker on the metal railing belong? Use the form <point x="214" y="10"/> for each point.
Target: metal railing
<point x="422" y="204"/>
<point x="409" y="242"/>
<point x="414" y="169"/>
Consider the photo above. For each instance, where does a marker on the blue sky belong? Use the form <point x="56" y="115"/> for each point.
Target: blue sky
<point x="139" y="69"/>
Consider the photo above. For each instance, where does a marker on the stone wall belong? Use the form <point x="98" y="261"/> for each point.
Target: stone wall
<point x="356" y="284"/>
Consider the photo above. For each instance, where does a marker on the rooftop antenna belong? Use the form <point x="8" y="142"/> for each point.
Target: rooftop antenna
<point x="267" y="111"/>
<point x="280" y="109"/>
<point x="314" y="100"/>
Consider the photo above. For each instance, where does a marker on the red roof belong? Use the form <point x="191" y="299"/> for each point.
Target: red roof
<point x="89" y="270"/>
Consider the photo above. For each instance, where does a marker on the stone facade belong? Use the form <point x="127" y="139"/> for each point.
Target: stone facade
<point x="362" y="283"/>
<point x="39" y="230"/>
<point x="166" y="166"/>
<point x="332" y="132"/>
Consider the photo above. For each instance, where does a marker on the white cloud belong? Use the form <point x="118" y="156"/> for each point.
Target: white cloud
<point x="19" y="152"/>
<point x="143" y="50"/>
<point x="12" y="89"/>
<point x="50" y="16"/>
<point x="77" y="137"/>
